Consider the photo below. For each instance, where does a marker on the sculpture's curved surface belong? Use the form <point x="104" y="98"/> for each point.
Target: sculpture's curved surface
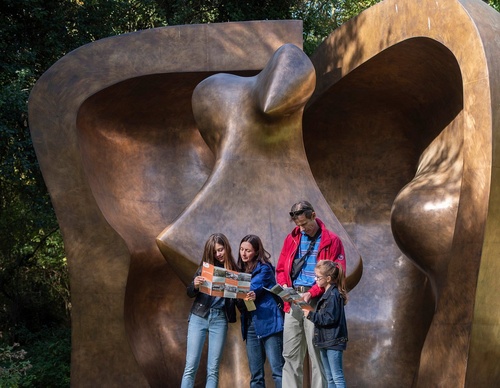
<point x="115" y="136"/>
<point x="401" y="136"/>
<point x="253" y="125"/>
<point x="409" y="91"/>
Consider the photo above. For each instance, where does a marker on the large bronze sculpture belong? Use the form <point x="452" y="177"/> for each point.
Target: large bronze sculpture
<point x="253" y="126"/>
<point x="401" y="136"/>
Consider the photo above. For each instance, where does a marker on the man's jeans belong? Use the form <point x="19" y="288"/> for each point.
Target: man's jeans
<point x="257" y="350"/>
<point x="216" y="326"/>
<point x="332" y="362"/>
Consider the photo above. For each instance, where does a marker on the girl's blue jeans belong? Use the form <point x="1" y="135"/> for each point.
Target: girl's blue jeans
<point x="332" y="363"/>
<point x="215" y="325"/>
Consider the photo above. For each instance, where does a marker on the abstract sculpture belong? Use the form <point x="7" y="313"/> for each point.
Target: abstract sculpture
<point x="401" y="136"/>
<point x="253" y="126"/>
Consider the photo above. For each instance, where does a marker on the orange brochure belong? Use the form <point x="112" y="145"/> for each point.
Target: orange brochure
<point x="225" y="283"/>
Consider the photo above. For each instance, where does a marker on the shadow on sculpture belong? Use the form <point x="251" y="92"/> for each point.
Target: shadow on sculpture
<point x="399" y="136"/>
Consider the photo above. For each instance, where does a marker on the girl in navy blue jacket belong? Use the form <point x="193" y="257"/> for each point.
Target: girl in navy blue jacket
<point x="330" y="327"/>
<point x="262" y="328"/>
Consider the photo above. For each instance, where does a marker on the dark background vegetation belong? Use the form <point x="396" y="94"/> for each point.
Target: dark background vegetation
<point x="35" y="303"/>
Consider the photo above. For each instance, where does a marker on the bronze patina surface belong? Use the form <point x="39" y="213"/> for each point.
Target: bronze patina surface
<point x="122" y="157"/>
<point x="253" y="126"/>
<point x="399" y="143"/>
<point x="407" y="100"/>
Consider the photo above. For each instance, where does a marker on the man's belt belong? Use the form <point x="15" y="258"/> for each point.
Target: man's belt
<point x="301" y="289"/>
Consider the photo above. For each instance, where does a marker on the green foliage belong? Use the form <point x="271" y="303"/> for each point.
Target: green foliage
<point x="43" y="360"/>
<point x="13" y="366"/>
<point x="26" y="216"/>
<point x="318" y="17"/>
<point x="494" y="3"/>
<point x="49" y="354"/>
<point x="203" y="11"/>
<point x="35" y="34"/>
<point x="30" y="246"/>
<point x="321" y="17"/>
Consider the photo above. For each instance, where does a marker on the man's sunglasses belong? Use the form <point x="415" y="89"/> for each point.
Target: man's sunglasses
<point x="297" y="213"/>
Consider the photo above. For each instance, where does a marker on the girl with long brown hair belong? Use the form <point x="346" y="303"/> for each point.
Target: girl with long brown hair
<point x="209" y="315"/>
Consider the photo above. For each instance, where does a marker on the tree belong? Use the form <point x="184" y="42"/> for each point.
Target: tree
<point x="35" y="34"/>
<point x="494" y="3"/>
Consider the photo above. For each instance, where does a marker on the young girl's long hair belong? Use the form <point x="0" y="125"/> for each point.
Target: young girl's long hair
<point x="260" y="253"/>
<point x="336" y="273"/>
<point x="209" y="251"/>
